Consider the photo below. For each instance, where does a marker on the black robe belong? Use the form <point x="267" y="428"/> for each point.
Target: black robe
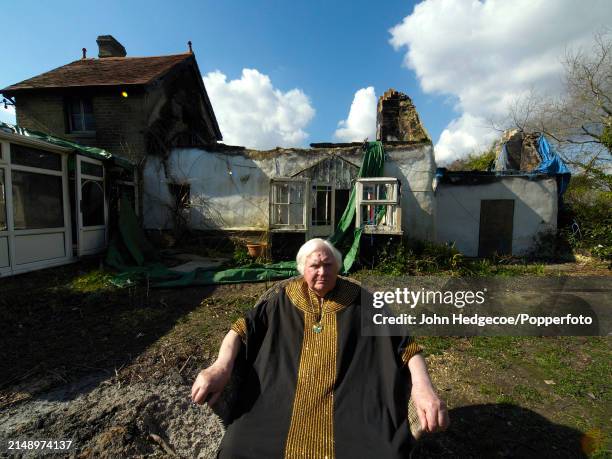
<point x="317" y="388"/>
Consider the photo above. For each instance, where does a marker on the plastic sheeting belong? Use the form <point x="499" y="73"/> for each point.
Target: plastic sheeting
<point x="372" y="166"/>
<point x="91" y="152"/>
<point x="131" y="254"/>
<point x="552" y="164"/>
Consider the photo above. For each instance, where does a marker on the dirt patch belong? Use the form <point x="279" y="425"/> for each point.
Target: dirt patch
<point x="110" y="420"/>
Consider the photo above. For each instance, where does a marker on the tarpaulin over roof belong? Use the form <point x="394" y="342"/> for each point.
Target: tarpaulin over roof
<point x="552" y="164"/>
<point x="91" y="152"/>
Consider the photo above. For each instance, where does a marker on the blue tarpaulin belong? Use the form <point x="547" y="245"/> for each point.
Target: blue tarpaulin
<point x="552" y="164"/>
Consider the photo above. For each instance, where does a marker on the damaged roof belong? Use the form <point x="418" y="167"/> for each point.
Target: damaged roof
<point x="110" y="71"/>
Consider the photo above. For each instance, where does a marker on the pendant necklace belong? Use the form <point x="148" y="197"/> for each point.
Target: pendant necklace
<point x="317" y="327"/>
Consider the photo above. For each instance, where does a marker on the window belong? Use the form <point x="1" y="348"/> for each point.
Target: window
<point x="95" y="170"/>
<point x="37" y="200"/>
<point x="378" y="208"/>
<point x="321" y="205"/>
<point x="33" y="157"/>
<point x="80" y="115"/>
<point x="2" y="202"/>
<point x="287" y="204"/>
<point x="92" y="202"/>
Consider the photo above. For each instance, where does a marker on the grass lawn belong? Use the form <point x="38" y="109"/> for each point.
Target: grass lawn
<point x="61" y="324"/>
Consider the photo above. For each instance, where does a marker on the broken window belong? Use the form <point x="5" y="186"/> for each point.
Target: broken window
<point x="181" y="195"/>
<point x="321" y="200"/>
<point x="80" y="115"/>
<point x="287" y="204"/>
<point x="378" y="206"/>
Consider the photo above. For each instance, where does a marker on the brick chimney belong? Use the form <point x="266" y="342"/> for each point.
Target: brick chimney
<point x="109" y="47"/>
<point x="398" y="120"/>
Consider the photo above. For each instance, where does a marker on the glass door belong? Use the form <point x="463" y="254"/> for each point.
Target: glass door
<point x="92" y="208"/>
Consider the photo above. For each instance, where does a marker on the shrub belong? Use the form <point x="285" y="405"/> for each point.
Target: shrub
<point x="588" y="218"/>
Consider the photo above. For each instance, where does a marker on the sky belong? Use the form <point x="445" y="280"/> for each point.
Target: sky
<point x="291" y="73"/>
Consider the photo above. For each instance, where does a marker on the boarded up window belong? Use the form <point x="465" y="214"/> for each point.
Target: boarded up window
<point x="496" y="227"/>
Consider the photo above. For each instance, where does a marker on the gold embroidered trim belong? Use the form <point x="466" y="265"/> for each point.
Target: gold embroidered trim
<point x="311" y="432"/>
<point x="413" y="420"/>
<point x="240" y="327"/>
<point x="410" y="351"/>
<point x="344" y="293"/>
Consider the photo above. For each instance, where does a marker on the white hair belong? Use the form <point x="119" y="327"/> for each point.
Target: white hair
<point x="312" y="246"/>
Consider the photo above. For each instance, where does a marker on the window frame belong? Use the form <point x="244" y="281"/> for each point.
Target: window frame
<point x="37" y="170"/>
<point x="393" y="202"/>
<point x="69" y="123"/>
<point x="289" y="227"/>
<point x="4" y="152"/>
<point x="101" y="181"/>
<point x="132" y="183"/>
<point x="11" y="236"/>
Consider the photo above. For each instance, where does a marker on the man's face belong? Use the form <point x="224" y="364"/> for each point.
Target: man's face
<point x="320" y="271"/>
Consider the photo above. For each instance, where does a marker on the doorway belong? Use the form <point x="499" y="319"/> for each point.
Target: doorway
<point x="496" y="227"/>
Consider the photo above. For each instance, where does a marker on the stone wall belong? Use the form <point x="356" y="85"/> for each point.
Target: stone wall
<point x="398" y="120"/>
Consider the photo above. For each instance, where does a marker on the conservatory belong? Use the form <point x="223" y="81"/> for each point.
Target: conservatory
<point x="54" y="202"/>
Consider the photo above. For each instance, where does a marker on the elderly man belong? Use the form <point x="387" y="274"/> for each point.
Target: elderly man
<point x="316" y="387"/>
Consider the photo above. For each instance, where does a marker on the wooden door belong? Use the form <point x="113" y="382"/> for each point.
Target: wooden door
<point x="496" y="227"/>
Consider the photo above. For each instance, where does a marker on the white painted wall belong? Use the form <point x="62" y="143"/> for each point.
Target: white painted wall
<point x="230" y="190"/>
<point x="457" y="216"/>
<point x="416" y="169"/>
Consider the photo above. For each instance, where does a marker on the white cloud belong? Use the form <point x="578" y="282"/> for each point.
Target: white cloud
<point x="488" y="53"/>
<point x="464" y="134"/>
<point x="361" y="120"/>
<point x="251" y="112"/>
<point x="7" y="115"/>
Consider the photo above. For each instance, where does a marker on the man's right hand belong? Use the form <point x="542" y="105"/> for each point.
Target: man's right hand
<point x="209" y="384"/>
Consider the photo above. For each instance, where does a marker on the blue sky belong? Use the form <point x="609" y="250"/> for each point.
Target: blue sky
<point x="311" y="58"/>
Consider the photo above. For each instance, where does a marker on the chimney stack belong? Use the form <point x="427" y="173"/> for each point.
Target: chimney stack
<point x="109" y="47"/>
<point x="397" y="119"/>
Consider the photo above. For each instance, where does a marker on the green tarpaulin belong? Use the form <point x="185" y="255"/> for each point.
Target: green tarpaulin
<point x="131" y="254"/>
<point x="92" y="152"/>
<point x="372" y="166"/>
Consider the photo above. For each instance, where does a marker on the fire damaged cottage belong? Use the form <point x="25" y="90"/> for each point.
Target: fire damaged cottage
<point x="296" y="194"/>
<point x="155" y="112"/>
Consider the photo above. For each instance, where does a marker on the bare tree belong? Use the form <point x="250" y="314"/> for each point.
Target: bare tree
<point x="579" y="121"/>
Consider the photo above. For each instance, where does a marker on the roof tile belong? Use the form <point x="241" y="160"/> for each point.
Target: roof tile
<point x="109" y="71"/>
